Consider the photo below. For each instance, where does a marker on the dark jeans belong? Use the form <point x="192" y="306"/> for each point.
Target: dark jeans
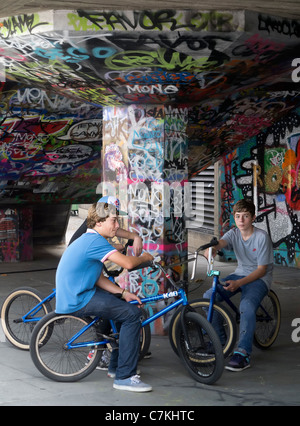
<point x="129" y="317"/>
<point x="251" y="296"/>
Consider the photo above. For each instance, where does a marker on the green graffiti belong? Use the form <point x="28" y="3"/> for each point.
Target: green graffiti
<point x="94" y="96"/>
<point x="81" y="23"/>
<point x="214" y="21"/>
<point x="161" y="58"/>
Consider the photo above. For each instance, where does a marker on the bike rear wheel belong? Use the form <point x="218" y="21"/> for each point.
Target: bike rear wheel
<point x="17" y="304"/>
<point x="51" y="356"/>
<point x="199" y="348"/>
<point x="268" y="319"/>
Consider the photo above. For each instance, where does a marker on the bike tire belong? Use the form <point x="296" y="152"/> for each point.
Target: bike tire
<point x="14" y="307"/>
<point x="201" y="306"/>
<point x="268" y="321"/>
<point x="49" y="354"/>
<point x="202" y="356"/>
<point x="145" y="337"/>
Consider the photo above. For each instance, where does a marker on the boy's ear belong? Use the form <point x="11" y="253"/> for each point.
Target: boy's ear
<point x="253" y="218"/>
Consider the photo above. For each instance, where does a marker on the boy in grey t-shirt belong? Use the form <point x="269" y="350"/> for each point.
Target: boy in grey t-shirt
<point x="253" y="276"/>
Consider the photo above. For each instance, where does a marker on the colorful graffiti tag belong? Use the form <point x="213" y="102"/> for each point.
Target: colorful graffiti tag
<point x="41" y="150"/>
<point x="274" y="155"/>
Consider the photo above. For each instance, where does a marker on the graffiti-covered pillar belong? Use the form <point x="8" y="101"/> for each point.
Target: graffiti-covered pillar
<point x="145" y="166"/>
<point x="16" y="234"/>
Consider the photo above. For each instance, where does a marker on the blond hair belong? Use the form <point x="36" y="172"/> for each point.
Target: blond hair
<point x="99" y="212"/>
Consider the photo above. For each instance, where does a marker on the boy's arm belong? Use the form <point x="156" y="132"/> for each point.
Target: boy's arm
<point x="109" y="286"/>
<point x="222" y="244"/>
<point x="266" y="254"/>
<point x="137" y="240"/>
<point x="129" y="262"/>
<point x="233" y="285"/>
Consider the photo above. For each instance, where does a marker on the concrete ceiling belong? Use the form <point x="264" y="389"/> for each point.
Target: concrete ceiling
<point x="233" y="68"/>
<point x="286" y="8"/>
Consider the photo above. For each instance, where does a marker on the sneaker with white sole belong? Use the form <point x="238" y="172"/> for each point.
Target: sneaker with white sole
<point x="238" y="362"/>
<point x="112" y="373"/>
<point x="104" y="361"/>
<point x="132" y="384"/>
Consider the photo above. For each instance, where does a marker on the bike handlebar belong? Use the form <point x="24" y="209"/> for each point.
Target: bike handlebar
<point x="115" y="273"/>
<point x="214" y="242"/>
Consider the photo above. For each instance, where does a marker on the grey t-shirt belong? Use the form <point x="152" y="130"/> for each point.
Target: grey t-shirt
<point x="250" y="254"/>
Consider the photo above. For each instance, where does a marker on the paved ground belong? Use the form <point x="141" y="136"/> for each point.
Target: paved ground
<point x="273" y="379"/>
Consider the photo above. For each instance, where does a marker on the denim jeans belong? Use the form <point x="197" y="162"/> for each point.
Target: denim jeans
<point x="251" y="296"/>
<point x="129" y="318"/>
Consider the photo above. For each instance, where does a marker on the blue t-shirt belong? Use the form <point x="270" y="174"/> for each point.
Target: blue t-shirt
<point x="78" y="271"/>
<point x="257" y="250"/>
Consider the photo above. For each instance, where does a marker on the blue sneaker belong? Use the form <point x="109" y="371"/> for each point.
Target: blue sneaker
<point x="238" y="362"/>
<point x="133" y="384"/>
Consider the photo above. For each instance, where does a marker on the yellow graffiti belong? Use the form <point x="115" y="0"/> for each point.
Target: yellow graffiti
<point x="132" y="59"/>
<point x="273" y="179"/>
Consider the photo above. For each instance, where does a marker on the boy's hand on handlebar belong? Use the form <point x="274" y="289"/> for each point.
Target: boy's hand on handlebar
<point x="214" y="252"/>
<point x="147" y="256"/>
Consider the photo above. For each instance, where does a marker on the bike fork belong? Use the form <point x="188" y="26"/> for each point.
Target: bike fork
<point x="188" y="308"/>
<point x="213" y="298"/>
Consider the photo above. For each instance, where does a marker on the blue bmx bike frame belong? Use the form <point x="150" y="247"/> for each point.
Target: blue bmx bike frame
<point x="182" y="300"/>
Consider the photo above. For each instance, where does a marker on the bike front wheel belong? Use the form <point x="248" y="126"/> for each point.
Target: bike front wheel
<point x="145" y="337"/>
<point x="199" y="348"/>
<point x="268" y="319"/>
<point x="17" y="304"/>
<point x="228" y="323"/>
<point x="52" y="357"/>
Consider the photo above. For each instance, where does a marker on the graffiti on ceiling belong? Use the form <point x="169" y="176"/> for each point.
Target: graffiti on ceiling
<point x="237" y="72"/>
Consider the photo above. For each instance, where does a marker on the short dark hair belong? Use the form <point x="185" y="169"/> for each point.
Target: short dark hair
<point x="244" y="206"/>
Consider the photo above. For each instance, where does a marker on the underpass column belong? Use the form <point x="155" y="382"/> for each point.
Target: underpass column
<point x="145" y="166"/>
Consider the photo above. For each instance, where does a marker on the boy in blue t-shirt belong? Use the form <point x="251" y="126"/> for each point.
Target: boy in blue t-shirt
<point x="83" y="290"/>
<point x="137" y="248"/>
<point x="253" y="276"/>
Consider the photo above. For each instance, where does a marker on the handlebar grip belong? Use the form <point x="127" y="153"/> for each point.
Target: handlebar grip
<point x="212" y="243"/>
<point x="128" y="244"/>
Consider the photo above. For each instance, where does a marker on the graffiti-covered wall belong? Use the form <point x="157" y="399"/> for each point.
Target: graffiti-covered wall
<point x="59" y="68"/>
<point x="145" y="165"/>
<point x="49" y="148"/>
<point x="267" y="170"/>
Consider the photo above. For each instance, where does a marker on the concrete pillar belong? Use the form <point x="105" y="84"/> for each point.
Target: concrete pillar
<point x="145" y="166"/>
<point x="16" y="234"/>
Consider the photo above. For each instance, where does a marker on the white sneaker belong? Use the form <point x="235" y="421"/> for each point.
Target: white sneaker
<point x="133" y="384"/>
